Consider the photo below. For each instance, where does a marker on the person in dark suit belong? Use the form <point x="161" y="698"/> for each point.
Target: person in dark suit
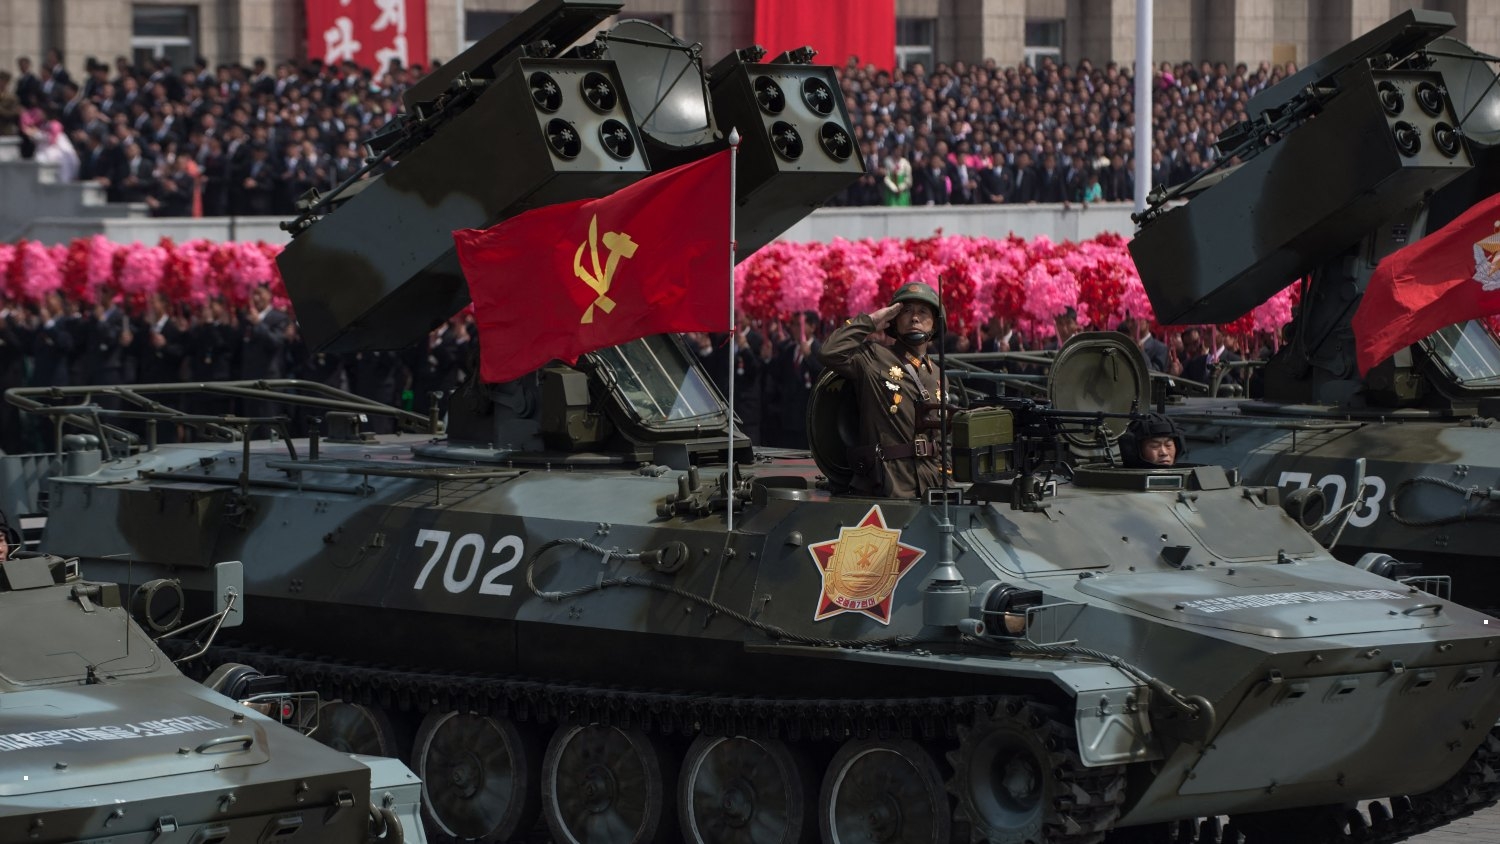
<point x="13" y="352"/>
<point x="437" y="365"/>
<point x="162" y="349"/>
<point x="173" y="192"/>
<point x="133" y="175"/>
<point x="1156" y="352"/>
<point x="1161" y="170"/>
<point x="1052" y="183"/>
<point x="28" y="84"/>
<point x="104" y="338"/>
<point x="1119" y="181"/>
<point x="262" y="348"/>
<point x="1196" y="365"/>
<point x="259" y="184"/>
<point x="932" y="184"/>
<point x="212" y="341"/>
<point x="346" y="163"/>
<point x="1066" y="324"/>
<point x="794" y="371"/>
<point x="214" y="165"/>
<point x="51" y="343"/>
<point x="745" y="345"/>
<point x="46" y="337"/>
<point x="57" y="74"/>
<point x="164" y="343"/>
<point x="1023" y="180"/>
<point x="261" y="80"/>
<point x="996" y="183"/>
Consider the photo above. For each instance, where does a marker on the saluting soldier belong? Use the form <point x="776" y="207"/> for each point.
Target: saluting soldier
<point x="897" y="457"/>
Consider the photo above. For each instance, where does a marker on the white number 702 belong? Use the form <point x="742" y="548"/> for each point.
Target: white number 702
<point x="465" y="555"/>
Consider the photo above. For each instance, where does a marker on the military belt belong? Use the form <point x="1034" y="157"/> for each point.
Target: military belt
<point x="893" y="451"/>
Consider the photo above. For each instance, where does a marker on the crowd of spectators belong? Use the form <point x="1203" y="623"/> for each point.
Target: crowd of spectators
<point x="250" y="140"/>
<point x="975" y="134"/>
<point x="238" y="140"/>
<point x="196" y="141"/>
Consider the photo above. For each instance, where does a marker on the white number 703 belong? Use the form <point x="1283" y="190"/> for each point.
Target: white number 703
<point x="466" y="554"/>
<point x="1335" y="486"/>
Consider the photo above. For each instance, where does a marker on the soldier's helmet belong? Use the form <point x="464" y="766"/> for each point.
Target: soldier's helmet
<point x="916" y="291"/>
<point x="1147" y="427"/>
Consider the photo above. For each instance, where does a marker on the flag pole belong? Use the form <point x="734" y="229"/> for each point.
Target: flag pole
<point x="734" y="351"/>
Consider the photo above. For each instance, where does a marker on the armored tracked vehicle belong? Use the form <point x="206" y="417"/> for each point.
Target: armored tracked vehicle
<point x="590" y="607"/>
<point x="1363" y="152"/>
<point x="102" y="739"/>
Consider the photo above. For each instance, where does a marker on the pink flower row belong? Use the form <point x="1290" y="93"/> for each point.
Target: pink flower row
<point x="1029" y="282"/>
<point x="91" y="267"/>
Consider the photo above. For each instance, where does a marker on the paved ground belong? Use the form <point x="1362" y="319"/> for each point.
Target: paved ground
<point x="1483" y="827"/>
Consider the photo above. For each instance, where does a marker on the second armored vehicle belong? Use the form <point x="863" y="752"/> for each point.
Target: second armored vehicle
<point x="1407" y="456"/>
<point x="102" y="739"/>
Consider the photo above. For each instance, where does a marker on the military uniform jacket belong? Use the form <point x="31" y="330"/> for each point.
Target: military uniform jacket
<point x="888" y="383"/>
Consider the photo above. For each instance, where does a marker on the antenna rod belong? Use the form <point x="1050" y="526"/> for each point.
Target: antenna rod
<point x="945" y="598"/>
<point x="734" y="351"/>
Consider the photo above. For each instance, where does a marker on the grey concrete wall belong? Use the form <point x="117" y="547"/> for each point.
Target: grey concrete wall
<point x="1027" y="221"/>
<point x="30" y="192"/>
<point x="150" y="230"/>
<point x="1227" y="30"/>
<point x="823" y="225"/>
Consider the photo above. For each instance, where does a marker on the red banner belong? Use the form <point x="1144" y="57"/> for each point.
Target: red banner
<point x="837" y="29"/>
<point x="370" y="33"/>
<point x="562" y="280"/>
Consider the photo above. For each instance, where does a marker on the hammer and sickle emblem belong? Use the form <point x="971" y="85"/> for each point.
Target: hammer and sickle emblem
<point x="866" y="555"/>
<point x="620" y="246"/>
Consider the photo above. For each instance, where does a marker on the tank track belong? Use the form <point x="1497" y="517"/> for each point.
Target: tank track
<point x="1095" y="793"/>
<point x="1090" y="800"/>
<point x="663" y="712"/>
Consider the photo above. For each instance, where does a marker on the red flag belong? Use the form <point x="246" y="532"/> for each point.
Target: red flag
<point x="1446" y="277"/>
<point x="563" y="280"/>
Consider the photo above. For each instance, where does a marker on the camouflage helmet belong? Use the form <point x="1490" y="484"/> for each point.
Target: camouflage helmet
<point x="916" y="291"/>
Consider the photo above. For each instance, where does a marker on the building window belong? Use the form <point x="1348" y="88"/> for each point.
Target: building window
<point x="916" y="42"/>
<point x="479" y="24"/>
<point x="164" y="32"/>
<point x="1044" y="40"/>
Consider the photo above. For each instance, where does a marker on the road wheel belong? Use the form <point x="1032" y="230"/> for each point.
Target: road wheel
<point x="479" y="775"/>
<point x="358" y="728"/>
<point x="605" y="785"/>
<point x="883" y="790"/>
<point x="743" y="791"/>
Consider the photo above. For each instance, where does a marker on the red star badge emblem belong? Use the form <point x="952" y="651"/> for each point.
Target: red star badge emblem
<point x="862" y="567"/>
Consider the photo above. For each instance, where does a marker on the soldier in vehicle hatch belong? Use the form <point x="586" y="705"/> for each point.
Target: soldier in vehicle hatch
<point x="1152" y="441"/>
<point x="897" y="455"/>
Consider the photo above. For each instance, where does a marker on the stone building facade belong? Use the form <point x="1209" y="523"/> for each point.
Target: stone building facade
<point x="1008" y="31"/>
